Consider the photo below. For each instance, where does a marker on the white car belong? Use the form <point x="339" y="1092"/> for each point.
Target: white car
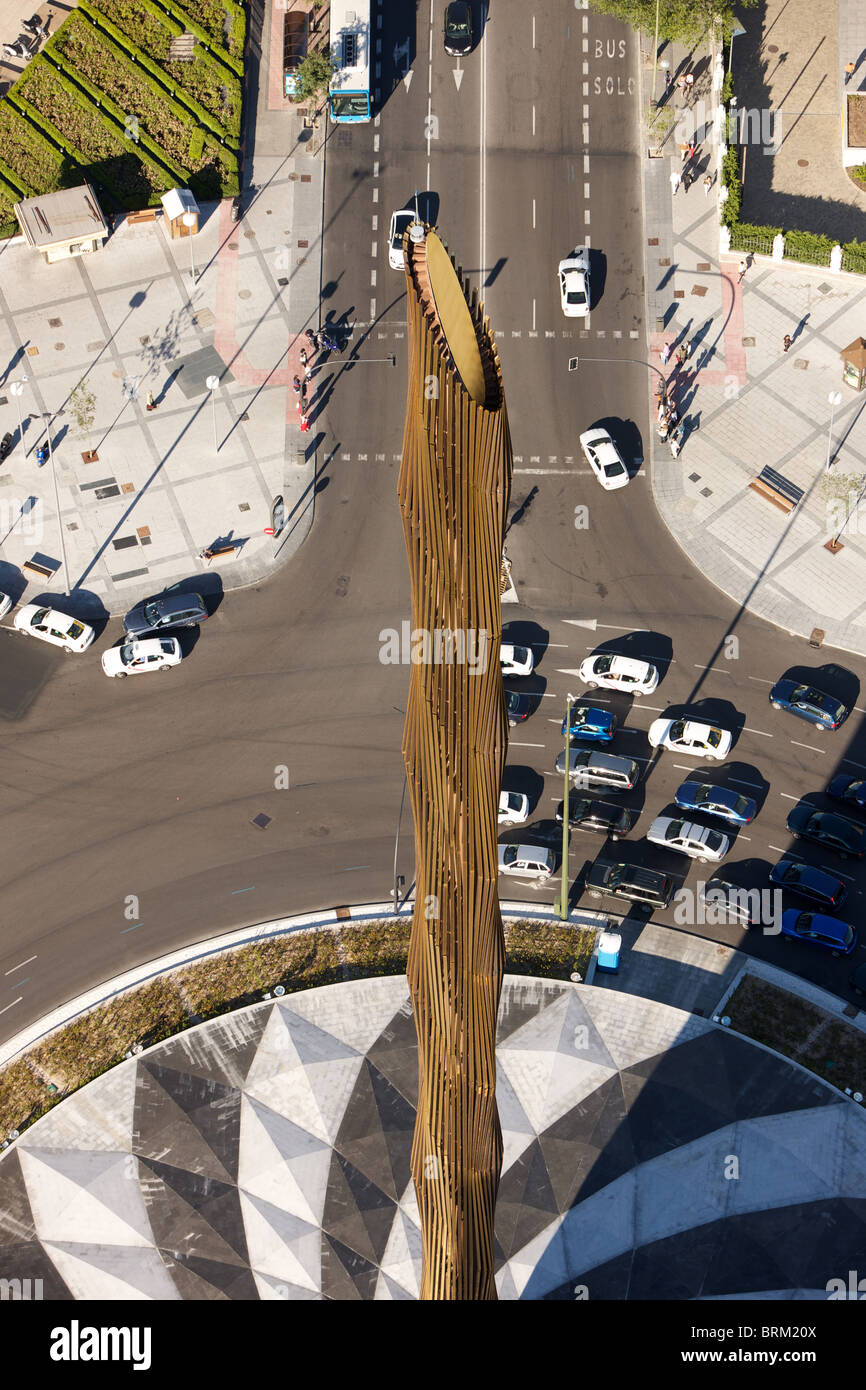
<point x="604" y="458"/>
<point x="574" y="284"/>
<point x="697" y="841"/>
<point x="526" y="861"/>
<point x="516" y="661"/>
<point x="132" y="658"/>
<point x="399" y="222"/>
<point x="5" y="605"/>
<point x="687" y="736"/>
<point x="51" y="626"/>
<point x="619" y="673"/>
<point x="513" y="808"/>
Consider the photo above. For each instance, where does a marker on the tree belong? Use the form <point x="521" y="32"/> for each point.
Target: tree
<point x="312" y="77"/>
<point x="680" y="21"/>
<point x="82" y="407"/>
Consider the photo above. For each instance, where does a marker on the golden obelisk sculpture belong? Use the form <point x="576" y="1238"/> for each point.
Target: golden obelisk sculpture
<point x="454" y="488"/>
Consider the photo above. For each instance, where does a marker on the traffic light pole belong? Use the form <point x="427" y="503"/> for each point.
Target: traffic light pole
<point x="561" y="904"/>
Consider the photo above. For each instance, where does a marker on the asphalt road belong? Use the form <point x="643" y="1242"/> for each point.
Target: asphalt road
<point x="130" y="804"/>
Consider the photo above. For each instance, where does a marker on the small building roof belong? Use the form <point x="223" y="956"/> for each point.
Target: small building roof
<point x="70" y="214"/>
<point x="855" y="352"/>
<point x="178" y="201"/>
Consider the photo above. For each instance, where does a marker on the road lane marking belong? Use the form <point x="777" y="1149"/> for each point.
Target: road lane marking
<point x="235" y="891"/>
<point x="853" y="764"/>
<point x="789" y="797"/>
<point x="352" y="867"/>
<point x="21" y="963"/>
<point x="513" y="744"/>
<point x="9" y="1006"/>
<point x="762" y="680"/>
<point x="748" y="730"/>
<point x="741" y="782"/>
<point x="810" y="746"/>
<point x="720" y="669"/>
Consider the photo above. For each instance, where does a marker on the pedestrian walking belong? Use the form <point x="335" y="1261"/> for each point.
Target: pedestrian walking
<point x="151" y="403"/>
<point x="308" y="374"/>
<point x="680" y="357"/>
<point x="786" y="342"/>
<point x="689" y="80"/>
<point x="303" y="357"/>
<point x="668" y="81"/>
<point x="708" y="183"/>
<point x="687" y="349"/>
<point x="681" y="83"/>
<point x="684" y="151"/>
<point x="305" y="424"/>
<point x="687" y="180"/>
<point x="666" y="352"/>
<point x="676" y="179"/>
<point x="850" y="69"/>
<point x="742" y="268"/>
<point x="296" y="385"/>
<point x="692" y="148"/>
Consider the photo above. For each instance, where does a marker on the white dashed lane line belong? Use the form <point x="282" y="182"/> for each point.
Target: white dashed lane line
<point x="513" y="744"/>
<point x="810" y="746"/>
<point x="762" y="680"/>
<point x="740" y="782"/>
<point x="853" y="764"/>
<point x="789" y="797"/>
<point x="748" y="730"/>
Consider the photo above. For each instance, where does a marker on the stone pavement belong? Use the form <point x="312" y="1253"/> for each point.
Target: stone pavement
<point x="150" y="314"/>
<point x="747" y="403"/>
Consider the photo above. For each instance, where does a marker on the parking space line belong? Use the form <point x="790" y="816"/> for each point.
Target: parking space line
<point x="811" y="747"/>
<point x="853" y="764"/>
<point x="748" y="730"/>
<point x="789" y="797"/>
<point x="741" y="782"/>
<point x="699" y="665"/>
<point x="762" y="680"/>
<point x="512" y="744"/>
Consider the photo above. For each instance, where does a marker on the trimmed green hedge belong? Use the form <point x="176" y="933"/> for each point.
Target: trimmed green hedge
<point x="34" y="164"/>
<point x="810" y="247"/>
<point x="855" y="251"/>
<point x="217" y="46"/>
<point x="731" y="180"/>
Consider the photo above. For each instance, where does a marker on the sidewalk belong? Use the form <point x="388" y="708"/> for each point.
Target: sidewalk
<point x="748" y="404"/>
<point x="150" y="314"/>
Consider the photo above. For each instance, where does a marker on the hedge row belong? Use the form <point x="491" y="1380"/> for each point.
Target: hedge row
<point x="217" y="45"/>
<point x="152" y="27"/>
<point x="214" y="18"/>
<point x="34" y="164"/>
<point x="212" y="94"/>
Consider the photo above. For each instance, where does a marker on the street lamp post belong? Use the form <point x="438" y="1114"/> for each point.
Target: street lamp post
<point x="47" y="415"/>
<point x="212" y="383"/>
<point x="561" y="904"/>
<point x="735" y="34"/>
<point x="189" y="221"/>
<point x="17" y="390"/>
<point x="637" y="361"/>
<point x="834" y="399"/>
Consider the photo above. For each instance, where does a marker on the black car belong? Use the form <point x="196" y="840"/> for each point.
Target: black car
<point x="851" y="790"/>
<point x="810" y="883"/>
<point x="845" y="837"/>
<point x="585" y="814"/>
<point x="517" y="706"/>
<point x="815" y="706"/>
<point x="646" y="887"/>
<point x="745" y="906"/>
<point x="458" y="28"/>
<point x="167" y="610"/>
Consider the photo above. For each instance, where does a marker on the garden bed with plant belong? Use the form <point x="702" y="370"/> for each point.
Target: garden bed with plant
<point x="820" y="1041"/>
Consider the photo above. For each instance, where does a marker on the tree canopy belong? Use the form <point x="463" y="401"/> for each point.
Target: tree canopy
<point x="681" y="21"/>
<point x="312" y="77"/>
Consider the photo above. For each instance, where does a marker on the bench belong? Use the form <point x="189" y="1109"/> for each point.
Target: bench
<point x="210" y="552"/>
<point x="778" y="490"/>
<point x="44" y="571"/>
<point x="145" y="215"/>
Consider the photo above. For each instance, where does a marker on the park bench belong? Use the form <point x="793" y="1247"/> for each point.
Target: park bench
<point x="44" y="571"/>
<point x="210" y="552"/>
<point x="776" y="489"/>
<point x="145" y="215"/>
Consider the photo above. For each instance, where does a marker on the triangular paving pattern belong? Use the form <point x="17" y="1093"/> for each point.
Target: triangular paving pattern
<point x="87" y="1197"/>
<point x="194" y="1119"/>
<point x="281" y="1245"/>
<point x="99" y="1273"/>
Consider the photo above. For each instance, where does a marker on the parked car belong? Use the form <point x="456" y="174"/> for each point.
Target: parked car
<point x="164" y="611"/>
<point x="851" y="790"/>
<point x="133" y="658"/>
<point x="526" y="861"/>
<point x="458" y="28"/>
<point x="574" y="284"/>
<point x="740" y="905"/>
<point x="809" y="703"/>
<point x="5" y="605"/>
<point x="586" y="814"/>
<point x="697" y="841"/>
<point x="805" y="881"/>
<point x="690" y="736"/>
<point x="516" y="661"/>
<point x="646" y="887"/>
<point x="858" y="979"/>
<point x="49" y="625"/>
<point x="605" y="459"/>
<point x="722" y="802"/>
<point x="517" y="706"/>
<point x="400" y="220"/>
<point x="596" y="725"/>
<point x="513" y="808"/>
<point x="588" y="767"/>
<point x="815" y="929"/>
<point x="619" y="673"/>
<point x="845" y="837"/>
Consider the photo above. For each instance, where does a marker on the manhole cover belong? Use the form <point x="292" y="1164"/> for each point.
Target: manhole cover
<point x="653" y="241"/>
<point x="699" y="290"/>
<point x="261" y="820"/>
<point x="243" y="506"/>
<point x="801" y="364"/>
<point x="704" y="265"/>
<point x="822" y="289"/>
<point x="706" y="492"/>
<point x="748" y="342"/>
<point x="665" y="260"/>
<point x="679" y="294"/>
<point x="55" y="323"/>
<point x="802" y="163"/>
<point x="694" y="477"/>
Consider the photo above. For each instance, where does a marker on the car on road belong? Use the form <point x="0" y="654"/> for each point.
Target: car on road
<point x="400" y="220"/>
<point x="5" y="605"/>
<point x="515" y="660"/>
<point x="574" y="283"/>
<point x="817" y="930"/>
<point x="721" y="802"/>
<point x="517" y="706"/>
<point x="618" y="673"/>
<point x="586" y="814"/>
<point x="691" y="737"/>
<point x="806" y="702"/>
<point x="697" y="841"/>
<point x="50" y="625"/>
<point x="588" y="767"/>
<point x="133" y="658"/>
<point x="513" y="808"/>
<point x="526" y="861"/>
<point x="851" y="790"/>
<point x="458" y="28"/>
<point x="738" y="904"/>
<point x="165" y="611"/>
<point x="645" y="887"/>
<point x="805" y="881"/>
<point x="604" y="458"/>
<point x="583" y="721"/>
<point x="845" y="837"/>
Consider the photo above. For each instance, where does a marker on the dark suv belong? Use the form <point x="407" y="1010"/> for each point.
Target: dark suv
<point x="154" y="615"/>
<point x="647" y="887"/>
<point x="584" y="814"/>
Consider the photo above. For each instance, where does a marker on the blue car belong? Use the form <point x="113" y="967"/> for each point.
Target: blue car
<point x="728" y="805"/>
<point x="595" y="724"/>
<point x="804" y="881"/>
<point x="851" y="790"/>
<point x="816" y="930"/>
<point x="810" y="704"/>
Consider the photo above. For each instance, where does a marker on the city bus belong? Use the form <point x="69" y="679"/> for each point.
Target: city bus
<point x="350" y="56"/>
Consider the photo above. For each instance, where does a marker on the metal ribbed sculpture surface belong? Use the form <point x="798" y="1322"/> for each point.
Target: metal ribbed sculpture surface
<point x="454" y="489"/>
